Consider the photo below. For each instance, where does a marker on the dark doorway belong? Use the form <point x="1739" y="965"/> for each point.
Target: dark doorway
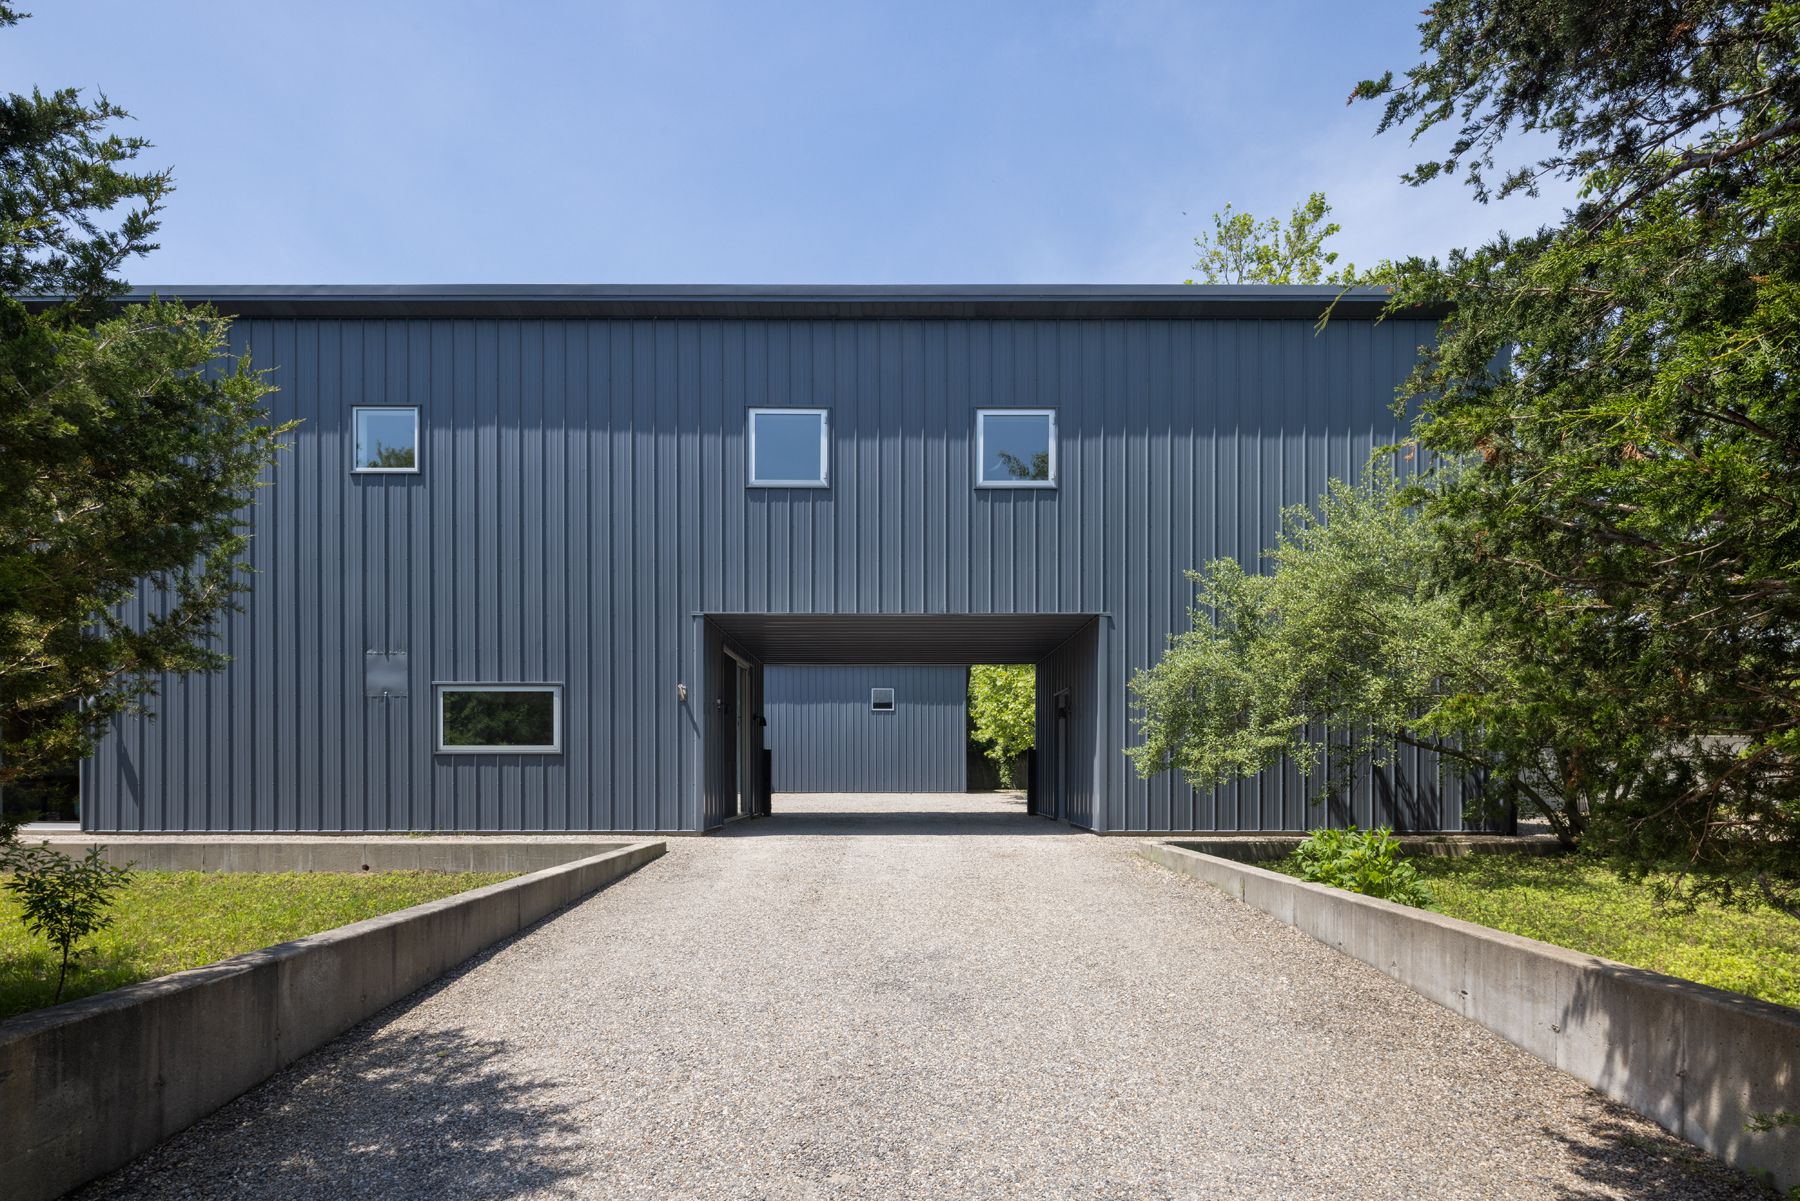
<point x="725" y="706"/>
<point x="746" y="743"/>
<point x="739" y="746"/>
<point x="1061" y="806"/>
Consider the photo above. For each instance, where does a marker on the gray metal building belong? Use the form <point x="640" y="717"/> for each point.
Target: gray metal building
<point x="892" y="728"/>
<point x="533" y="550"/>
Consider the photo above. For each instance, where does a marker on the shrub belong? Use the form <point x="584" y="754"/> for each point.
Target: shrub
<point x="63" y="900"/>
<point x="1363" y="861"/>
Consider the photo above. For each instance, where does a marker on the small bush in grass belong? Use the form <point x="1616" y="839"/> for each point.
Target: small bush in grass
<point x="174" y="921"/>
<point x="63" y="900"/>
<point x="1364" y="861"/>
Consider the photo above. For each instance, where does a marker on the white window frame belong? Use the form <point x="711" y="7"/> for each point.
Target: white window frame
<point x="893" y="702"/>
<point x="440" y="687"/>
<point x="824" y="480"/>
<point x="356" y="412"/>
<point x="981" y="480"/>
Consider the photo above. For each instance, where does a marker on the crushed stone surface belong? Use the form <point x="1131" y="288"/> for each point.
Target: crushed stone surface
<point x="918" y="997"/>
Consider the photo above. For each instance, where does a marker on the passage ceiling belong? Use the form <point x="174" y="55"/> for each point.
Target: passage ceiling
<point x="957" y="638"/>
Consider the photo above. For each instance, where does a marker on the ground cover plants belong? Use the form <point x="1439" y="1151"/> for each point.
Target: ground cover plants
<point x="1576" y="901"/>
<point x="172" y="921"/>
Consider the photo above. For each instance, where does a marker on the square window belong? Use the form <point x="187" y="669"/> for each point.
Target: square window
<point x="881" y="700"/>
<point x="473" y="718"/>
<point x="1016" y="448"/>
<point x="387" y="439"/>
<point x="788" y="448"/>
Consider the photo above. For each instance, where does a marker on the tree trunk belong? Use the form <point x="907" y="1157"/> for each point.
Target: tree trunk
<point x="61" y="975"/>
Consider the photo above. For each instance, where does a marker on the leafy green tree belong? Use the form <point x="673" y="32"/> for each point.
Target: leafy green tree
<point x="499" y="718"/>
<point x="1035" y="468"/>
<point x="394" y="456"/>
<point x="1619" y="392"/>
<point x="61" y="899"/>
<point x="1343" y="652"/>
<point x="1243" y="250"/>
<point x="1003" y="711"/>
<point x="130" y="445"/>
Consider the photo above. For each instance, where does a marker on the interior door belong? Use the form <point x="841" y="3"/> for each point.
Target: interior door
<point x="747" y="743"/>
<point x="726" y="706"/>
<point x="1061" y="804"/>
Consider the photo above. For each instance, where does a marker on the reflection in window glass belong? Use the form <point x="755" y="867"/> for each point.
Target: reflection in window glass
<point x="495" y="718"/>
<point x="387" y="439"/>
<point x="1017" y="447"/>
<point x="787" y="446"/>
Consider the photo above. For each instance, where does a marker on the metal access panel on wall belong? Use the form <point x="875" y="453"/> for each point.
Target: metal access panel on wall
<point x="868" y="729"/>
<point x="385" y="674"/>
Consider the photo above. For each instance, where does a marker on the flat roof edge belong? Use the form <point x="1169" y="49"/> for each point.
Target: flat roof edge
<point x="819" y="302"/>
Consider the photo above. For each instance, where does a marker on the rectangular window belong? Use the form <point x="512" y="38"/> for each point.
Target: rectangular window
<point x="387" y="439"/>
<point x="499" y="717"/>
<point x="788" y="448"/>
<point x="1016" y="448"/>
<point x="881" y="700"/>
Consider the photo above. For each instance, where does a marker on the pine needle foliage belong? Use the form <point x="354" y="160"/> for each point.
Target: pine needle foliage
<point x="131" y="441"/>
<point x="1620" y="394"/>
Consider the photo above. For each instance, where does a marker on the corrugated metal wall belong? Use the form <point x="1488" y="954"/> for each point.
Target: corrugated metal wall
<point x="826" y="739"/>
<point x="1070" y="762"/>
<point x="582" y="499"/>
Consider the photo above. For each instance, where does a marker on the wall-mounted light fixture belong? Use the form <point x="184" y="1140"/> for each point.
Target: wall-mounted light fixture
<point x="681" y="693"/>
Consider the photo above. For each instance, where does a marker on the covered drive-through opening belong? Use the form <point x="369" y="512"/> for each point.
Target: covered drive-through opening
<point x="738" y="649"/>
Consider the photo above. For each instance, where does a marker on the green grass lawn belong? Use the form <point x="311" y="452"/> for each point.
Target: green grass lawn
<point x="170" y="921"/>
<point x="1581" y="905"/>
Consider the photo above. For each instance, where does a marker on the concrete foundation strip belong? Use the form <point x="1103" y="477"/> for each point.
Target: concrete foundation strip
<point x="86" y="1087"/>
<point x="332" y="852"/>
<point x="1699" y="1061"/>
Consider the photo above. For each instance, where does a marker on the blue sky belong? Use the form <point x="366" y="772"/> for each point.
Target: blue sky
<point x="688" y="142"/>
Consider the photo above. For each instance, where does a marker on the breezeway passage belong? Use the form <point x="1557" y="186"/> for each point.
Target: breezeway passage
<point x="919" y="996"/>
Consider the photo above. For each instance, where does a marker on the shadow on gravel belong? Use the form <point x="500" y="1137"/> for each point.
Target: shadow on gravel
<point x="1695" y="1055"/>
<point x="400" y="1114"/>
<point x="1618" y="1160"/>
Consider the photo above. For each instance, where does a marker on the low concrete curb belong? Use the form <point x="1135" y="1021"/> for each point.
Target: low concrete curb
<point x="331" y="853"/>
<point x="1697" y="1060"/>
<point x="86" y="1087"/>
<point x="1260" y="848"/>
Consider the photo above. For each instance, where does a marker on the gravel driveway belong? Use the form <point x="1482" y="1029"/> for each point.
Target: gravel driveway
<point x="916" y="997"/>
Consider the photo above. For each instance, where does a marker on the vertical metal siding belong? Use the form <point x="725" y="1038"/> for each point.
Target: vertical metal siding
<point x="582" y="499"/>
<point x="826" y="739"/>
<point x="1072" y="667"/>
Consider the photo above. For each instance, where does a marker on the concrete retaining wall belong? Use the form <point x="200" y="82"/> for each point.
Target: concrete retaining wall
<point x="85" y="1087"/>
<point x="1260" y="848"/>
<point x="1697" y="1060"/>
<point x="332" y="853"/>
